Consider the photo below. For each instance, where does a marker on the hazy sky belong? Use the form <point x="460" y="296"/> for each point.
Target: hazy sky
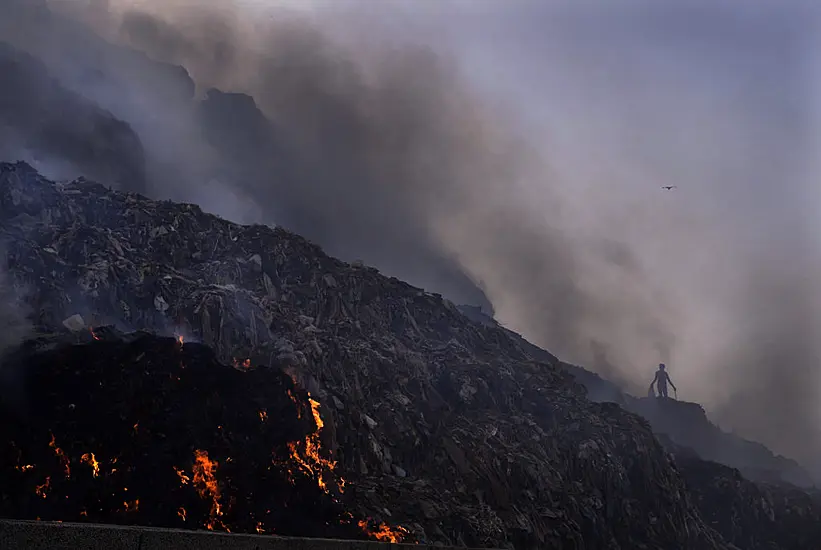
<point x="719" y="99"/>
<point x="523" y="145"/>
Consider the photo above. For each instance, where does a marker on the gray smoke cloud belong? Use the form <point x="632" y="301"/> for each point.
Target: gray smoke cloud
<point x="509" y="153"/>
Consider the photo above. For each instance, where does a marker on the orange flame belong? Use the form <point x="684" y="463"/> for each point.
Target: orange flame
<point x="42" y="490"/>
<point x="384" y="533"/>
<point x="93" y="334"/>
<point x="315" y="410"/>
<point x="24" y="467"/>
<point x="244" y="365"/>
<point x="61" y="455"/>
<point x="83" y="513"/>
<point x="132" y="505"/>
<point x="180" y="339"/>
<point x="309" y="457"/>
<point x="184" y="479"/>
<point x="181" y="513"/>
<point x="260" y="528"/>
<point x="263" y="415"/>
<point x="91" y="460"/>
<point x="205" y="482"/>
<point x="296" y="402"/>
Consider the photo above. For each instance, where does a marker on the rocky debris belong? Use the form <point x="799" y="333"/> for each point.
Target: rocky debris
<point x="750" y="515"/>
<point x="137" y="429"/>
<point x="686" y="424"/>
<point x="40" y="119"/>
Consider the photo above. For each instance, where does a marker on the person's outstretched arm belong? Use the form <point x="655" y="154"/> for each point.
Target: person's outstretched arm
<point x="671" y="383"/>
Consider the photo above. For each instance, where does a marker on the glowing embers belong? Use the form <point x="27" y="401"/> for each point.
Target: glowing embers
<point x="131" y="506"/>
<point x="42" y="490"/>
<point x="297" y="403"/>
<point x="91" y="460"/>
<point x="242" y="365"/>
<point x="62" y="456"/>
<point x="184" y="479"/>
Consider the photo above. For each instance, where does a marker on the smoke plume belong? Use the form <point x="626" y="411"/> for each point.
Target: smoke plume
<point x="508" y="154"/>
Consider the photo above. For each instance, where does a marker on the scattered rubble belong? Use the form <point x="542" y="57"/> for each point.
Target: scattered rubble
<point x="436" y="423"/>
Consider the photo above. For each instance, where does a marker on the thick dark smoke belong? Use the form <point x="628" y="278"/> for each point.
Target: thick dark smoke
<point x="387" y="143"/>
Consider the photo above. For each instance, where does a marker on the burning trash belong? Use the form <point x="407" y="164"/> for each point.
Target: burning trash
<point x="191" y="453"/>
<point x="91" y="460"/>
<point x="308" y="455"/>
<point x="384" y="533"/>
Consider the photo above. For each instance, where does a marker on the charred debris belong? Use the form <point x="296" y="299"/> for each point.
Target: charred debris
<point x="297" y="394"/>
<point x="140" y="429"/>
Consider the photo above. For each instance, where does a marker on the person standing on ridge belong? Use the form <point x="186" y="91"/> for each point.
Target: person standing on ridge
<point x="661" y="380"/>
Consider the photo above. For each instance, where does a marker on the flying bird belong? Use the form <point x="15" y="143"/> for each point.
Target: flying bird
<point x="668" y="187"/>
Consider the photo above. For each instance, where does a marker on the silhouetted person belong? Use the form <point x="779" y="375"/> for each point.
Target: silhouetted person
<point x="661" y="380"/>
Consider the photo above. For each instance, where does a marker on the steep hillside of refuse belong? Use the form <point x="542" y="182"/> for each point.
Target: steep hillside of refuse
<point x="684" y="423"/>
<point x="753" y="516"/>
<point x="687" y="424"/>
<point x="437" y="423"/>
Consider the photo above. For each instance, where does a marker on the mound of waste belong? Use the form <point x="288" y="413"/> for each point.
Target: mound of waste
<point x="685" y="424"/>
<point x="753" y="516"/>
<point x="137" y="429"/>
<point x="446" y="427"/>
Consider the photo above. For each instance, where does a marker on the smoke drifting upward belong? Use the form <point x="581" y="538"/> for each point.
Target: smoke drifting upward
<point x="525" y="174"/>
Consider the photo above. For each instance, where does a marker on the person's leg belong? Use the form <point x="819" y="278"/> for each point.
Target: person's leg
<point x="662" y="391"/>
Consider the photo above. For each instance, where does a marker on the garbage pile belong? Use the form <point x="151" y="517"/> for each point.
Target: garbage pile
<point x="145" y="430"/>
<point x="685" y="424"/>
<point x="753" y="516"/>
<point x="440" y="425"/>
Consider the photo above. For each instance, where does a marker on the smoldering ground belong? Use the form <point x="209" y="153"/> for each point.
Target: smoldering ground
<point x="510" y="150"/>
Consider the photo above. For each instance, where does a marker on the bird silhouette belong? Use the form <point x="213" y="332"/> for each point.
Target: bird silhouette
<point x="668" y="187"/>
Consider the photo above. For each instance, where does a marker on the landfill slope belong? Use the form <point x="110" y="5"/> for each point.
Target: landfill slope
<point x="143" y="430"/>
<point x="437" y="423"/>
<point x="684" y="423"/>
<point x="753" y="516"/>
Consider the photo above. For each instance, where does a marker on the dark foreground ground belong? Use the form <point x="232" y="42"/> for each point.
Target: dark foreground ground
<point x="38" y="535"/>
